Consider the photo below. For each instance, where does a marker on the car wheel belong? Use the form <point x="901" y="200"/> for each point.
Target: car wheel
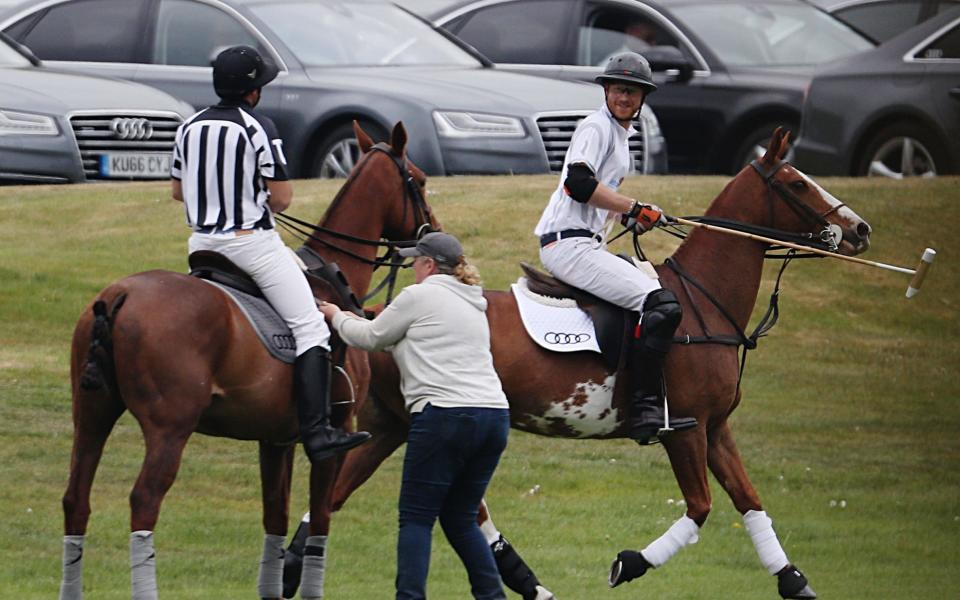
<point x="903" y="150"/>
<point x="338" y="152"/>
<point x="754" y="145"/>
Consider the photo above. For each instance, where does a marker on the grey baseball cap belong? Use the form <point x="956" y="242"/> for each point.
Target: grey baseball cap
<point x="441" y="247"/>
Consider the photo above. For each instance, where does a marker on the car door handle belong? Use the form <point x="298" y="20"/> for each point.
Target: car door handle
<point x="955" y="93"/>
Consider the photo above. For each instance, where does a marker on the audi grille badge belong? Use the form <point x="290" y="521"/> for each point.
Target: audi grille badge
<point x="127" y="128"/>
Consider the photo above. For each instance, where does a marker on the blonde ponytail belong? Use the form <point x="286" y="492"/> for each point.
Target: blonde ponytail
<point x="464" y="272"/>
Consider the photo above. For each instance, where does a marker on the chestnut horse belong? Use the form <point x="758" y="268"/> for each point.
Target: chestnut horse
<point x="182" y="358"/>
<point x="571" y="395"/>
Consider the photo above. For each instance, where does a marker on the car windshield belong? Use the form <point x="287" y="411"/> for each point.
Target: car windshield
<point x="10" y="57"/>
<point x="359" y="34"/>
<point x="755" y="34"/>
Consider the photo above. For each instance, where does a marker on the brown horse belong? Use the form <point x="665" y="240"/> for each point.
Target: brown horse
<point x="572" y="395"/>
<point x="182" y="358"/>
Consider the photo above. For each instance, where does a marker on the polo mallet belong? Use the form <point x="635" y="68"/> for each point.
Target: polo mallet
<point x="912" y="290"/>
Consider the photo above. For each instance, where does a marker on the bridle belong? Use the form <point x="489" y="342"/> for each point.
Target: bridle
<point x="412" y="200"/>
<point x="827" y="238"/>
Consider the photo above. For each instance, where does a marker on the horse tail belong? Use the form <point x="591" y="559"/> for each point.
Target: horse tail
<point x="98" y="368"/>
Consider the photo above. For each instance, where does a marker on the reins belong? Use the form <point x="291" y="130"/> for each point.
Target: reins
<point x="412" y="196"/>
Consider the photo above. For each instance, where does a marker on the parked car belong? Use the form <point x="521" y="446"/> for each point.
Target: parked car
<point x="339" y="61"/>
<point x="883" y="19"/>
<point x="58" y="127"/>
<point x="893" y="111"/>
<point x="729" y="70"/>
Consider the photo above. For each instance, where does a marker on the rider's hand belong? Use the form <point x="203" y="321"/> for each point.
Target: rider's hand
<point x="643" y="218"/>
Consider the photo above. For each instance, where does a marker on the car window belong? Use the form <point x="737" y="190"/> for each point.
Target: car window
<point x="518" y="32"/>
<point x="86" y="30"/>
<point x="945" y="46"/>
<point x="609" y="32"/>
<point x="883" y="20"/>
<point x="755" y="34"/>
<point x="191" y="33"/>
<point x="353" y="34"/>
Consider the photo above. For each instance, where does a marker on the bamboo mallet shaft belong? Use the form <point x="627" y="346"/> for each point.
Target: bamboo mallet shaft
<point x="918" y="274"/>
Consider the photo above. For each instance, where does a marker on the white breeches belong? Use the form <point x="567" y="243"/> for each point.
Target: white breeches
<point x="264" y="256"/>
<point x="583" y="263"/>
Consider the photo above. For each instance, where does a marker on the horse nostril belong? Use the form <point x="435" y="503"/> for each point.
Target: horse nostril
<point x="864" y="230"/>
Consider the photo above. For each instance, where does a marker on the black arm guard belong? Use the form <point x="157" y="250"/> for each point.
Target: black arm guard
<point x="580" y="182"/>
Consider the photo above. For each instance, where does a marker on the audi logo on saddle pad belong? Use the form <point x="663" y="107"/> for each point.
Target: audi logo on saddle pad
<point x="553" y="337"/>
<point x="131" y="128"/>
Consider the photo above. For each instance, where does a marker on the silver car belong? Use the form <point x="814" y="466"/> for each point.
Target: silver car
<point x="365" y="60"/>
<point x="58" y="127"/>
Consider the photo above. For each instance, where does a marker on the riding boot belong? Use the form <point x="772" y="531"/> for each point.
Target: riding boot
<point x="652" y="339"/>
<point x="647" y="416"/>
<point x="311" y="385"/>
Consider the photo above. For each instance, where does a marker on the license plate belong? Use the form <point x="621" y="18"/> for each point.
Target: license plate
<point x="145" y="165"/>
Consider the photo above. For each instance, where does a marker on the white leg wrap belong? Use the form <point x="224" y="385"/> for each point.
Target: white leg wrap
<point x="683" y="532"/>
<point x="71" y="587"/>
<point x="314" y="567"/>
<point x="143" y="566"/>
<point x="760" y="528"/>
<point x="270" y="579"/>
<point x="489" y="531"/>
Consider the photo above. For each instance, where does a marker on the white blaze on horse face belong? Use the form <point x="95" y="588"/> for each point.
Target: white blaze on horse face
<point x="586" y="413"/>
<point x="845" y="212"/>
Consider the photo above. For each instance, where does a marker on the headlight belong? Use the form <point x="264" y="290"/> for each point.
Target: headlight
<point x="19" y="123"/>
<point x="467" y="125"/>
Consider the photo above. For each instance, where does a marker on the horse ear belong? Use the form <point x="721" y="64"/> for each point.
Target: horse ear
<point x="784" y="145"/>
<point x="773" y="152"/>
<point x="398" y="139"/>
<point x="363" y="140"/>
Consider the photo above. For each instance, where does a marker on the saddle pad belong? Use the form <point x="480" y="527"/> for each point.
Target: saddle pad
<point x="553" y="323"/>
<point x="270" y="327"/>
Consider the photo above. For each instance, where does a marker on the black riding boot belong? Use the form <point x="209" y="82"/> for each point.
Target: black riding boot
<point x="646" y="400"/>
<point x="652" y="340"/>
<point x="311" y="388"/>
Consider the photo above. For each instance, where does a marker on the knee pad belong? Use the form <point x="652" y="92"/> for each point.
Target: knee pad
<point x="662" y="314"/>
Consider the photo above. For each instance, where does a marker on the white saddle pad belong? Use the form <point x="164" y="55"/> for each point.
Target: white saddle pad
<point x="556" y="324"/>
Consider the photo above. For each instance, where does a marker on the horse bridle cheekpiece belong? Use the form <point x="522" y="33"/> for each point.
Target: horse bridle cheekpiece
<point x="829" y="236"/>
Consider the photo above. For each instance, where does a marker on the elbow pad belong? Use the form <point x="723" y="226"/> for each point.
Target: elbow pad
<point x="580" y="182"/>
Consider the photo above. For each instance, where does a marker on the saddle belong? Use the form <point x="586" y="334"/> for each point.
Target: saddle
<point x="612" y="326"/>
<point x="270" y="327"/>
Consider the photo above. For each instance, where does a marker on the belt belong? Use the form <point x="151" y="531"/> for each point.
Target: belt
<point x="556" y="236"/>
<point x="235" y="232"/>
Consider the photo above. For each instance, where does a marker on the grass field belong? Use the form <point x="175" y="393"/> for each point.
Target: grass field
<point x="850" y="426"/>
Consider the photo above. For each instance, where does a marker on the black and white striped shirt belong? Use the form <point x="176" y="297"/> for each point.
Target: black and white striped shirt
<point x="223" y="156"/>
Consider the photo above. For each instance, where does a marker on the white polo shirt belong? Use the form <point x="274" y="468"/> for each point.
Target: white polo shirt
<point x="602" y="144"/>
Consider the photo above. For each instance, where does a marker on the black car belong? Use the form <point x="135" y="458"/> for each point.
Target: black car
<point x="893" y="111"/>
<point x="339" y="61"/>
<point x="883" y="19"/>
<point x="729" y="70"/>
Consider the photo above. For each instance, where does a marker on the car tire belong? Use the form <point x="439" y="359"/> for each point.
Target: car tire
<point x="903" y="150"/>
<point x="338" y="152"/>
<point x="754" y="144"/>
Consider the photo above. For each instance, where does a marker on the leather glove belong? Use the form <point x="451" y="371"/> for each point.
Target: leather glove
<point x="643" y="217"/>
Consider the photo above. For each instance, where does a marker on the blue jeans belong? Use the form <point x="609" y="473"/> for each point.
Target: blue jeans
<point x="451" y="456"/>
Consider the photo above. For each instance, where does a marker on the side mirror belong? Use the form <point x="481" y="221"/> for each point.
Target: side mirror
<point x="671" y="61"/>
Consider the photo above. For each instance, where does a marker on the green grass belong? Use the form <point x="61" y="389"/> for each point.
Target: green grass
<point x="849" y="426"/>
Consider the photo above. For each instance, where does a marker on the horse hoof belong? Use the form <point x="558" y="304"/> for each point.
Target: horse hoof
<point x="628" y="566"/>
<point x="792" y="585"/>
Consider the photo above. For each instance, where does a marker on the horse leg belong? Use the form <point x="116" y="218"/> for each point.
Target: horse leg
<point x="94" y="415"/>
<point x="276" y="471"/>
<point x="322" y="477"/>
<point x="514" y="572"/>
<point x="687" y="451"/>
<point x="160" y="465"/>
<point x="727" y="466"/>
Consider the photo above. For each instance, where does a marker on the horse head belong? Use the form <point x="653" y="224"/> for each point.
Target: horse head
<point x="797" y="204"/>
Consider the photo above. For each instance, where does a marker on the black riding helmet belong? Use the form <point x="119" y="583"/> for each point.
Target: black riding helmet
<point x="239" y="70"/>
<point x="628" y="67"/>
